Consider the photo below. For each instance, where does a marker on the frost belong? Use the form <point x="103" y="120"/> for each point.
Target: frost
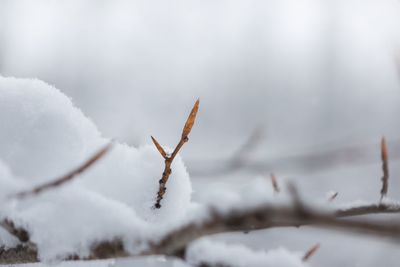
<point x="212" y="253"/>
<point x="43" y="135"/>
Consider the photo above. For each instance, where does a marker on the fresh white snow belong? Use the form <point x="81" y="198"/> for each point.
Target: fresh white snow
<point x="42" y="136"/>
<point x="214" y="253"/>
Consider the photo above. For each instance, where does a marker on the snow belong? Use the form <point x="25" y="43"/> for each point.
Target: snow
<point x="205" y="251"/>
<point x="43" y="135"/>
<point x="159" y="261"/>
<point x="254" y="192"/>
<point x="132" y="66"/>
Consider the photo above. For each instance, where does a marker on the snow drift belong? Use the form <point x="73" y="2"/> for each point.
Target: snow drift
<point x="43" y="135"/>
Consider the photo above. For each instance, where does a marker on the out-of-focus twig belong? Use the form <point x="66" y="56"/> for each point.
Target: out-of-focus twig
<point x="333" y="196"/>
<point x="265" y="217"/>
<point x="275" y="184"/>
<point x="311" y="252"/>
<point x="301" y="163"/>
<point x="63" y="179"/>
<point x="169" y="159"/>
<point x="20" y="233"/>
<point x="385" y="168"/>
<point x="242" y="154"/>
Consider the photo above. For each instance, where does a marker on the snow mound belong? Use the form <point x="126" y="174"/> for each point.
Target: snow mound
<point x="42" y="136"/>
<point x="42" y="133"/>
<point x="211" y="253"/>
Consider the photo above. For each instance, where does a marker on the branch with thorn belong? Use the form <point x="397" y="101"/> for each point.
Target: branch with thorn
<point x="168" y="159"/>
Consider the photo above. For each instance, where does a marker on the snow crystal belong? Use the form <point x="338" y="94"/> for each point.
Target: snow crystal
<point x="42" y="136"/>
<point x="209" y="252"/>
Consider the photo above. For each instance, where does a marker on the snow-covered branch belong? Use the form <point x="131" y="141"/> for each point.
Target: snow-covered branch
<point x="250" y="219"/>
<point x="265" y="217"/>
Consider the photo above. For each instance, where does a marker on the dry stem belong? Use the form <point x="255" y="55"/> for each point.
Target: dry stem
<point x="274" y="182"/>
<point x="311" y="252"/>
<point x="385" y="168"/>
<point x="333" y="196"/>
<point x="169" y="159"/>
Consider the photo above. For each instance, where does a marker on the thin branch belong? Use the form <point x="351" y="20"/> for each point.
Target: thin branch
<point x="169" y="159"/>
<point x="300" y="163"/>
<point x="239" y="158"/>
<point x="333" y="197"/>
<point x="274" y="216"/>
<point x="63" y="179"/>
<point x="385" y="168"/>
<point x="274" y="182"/>
<point x="20" y="233"/>
<point x="368" y="209"/>
<point x="311" y="252"/>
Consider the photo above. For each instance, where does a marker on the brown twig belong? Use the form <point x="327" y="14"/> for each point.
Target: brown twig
<point x="18" y="232"/>
<point x="169" y="159"/>
<point x="274" y="182"/>
<point x="311" y="252"/>
<point x="63" y="179"/>
<point x="385" y="168"/>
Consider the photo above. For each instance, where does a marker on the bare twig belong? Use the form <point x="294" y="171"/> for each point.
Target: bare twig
<point x="333" y="196"/>
<point x="169" y="159"/>
<point x="240" y="156"/>
<point x="63" y="179"/>
<point x="385" y="168"/>
<point x="311" y="252"/>
<point x="18" y="232"/>
<point x="274" y="182"/>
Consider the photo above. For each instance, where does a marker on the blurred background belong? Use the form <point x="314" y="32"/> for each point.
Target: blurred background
<point x="313" y="77"/>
